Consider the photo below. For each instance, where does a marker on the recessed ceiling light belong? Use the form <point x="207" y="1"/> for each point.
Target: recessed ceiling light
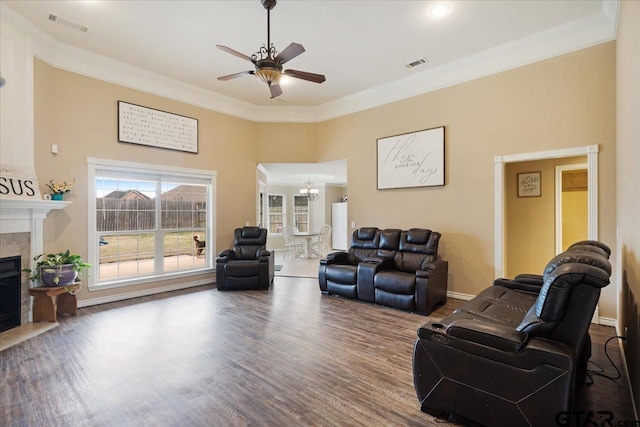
<point x="439" y="10"/>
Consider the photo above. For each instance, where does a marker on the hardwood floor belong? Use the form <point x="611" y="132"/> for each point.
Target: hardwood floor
<point x="295" y="266"/>
<point x="199" y="357"/>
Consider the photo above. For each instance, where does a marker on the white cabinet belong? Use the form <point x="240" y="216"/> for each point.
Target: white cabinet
<point x="340" y="231"/>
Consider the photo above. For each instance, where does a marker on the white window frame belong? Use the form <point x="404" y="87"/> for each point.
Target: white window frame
<point x="284" y="213"/>
<point x="295" y="214"/>
<point x="93" y="241"/>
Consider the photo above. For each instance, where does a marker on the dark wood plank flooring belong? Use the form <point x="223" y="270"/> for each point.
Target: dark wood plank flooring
<point x="200" y="357"/>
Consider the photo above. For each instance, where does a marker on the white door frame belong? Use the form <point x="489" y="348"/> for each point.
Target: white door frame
<point x="558" y="195"/>
<point x="591" y="151"/>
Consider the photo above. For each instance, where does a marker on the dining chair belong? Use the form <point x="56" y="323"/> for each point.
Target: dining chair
<point x="291" y="245"/>
<point x="322" y="244"/>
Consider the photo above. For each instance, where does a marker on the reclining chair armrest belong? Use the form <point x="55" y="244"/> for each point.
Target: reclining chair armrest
<point x="335" y="258"/>
<point x="520" y="286"/>
<point x="492" y="335"/>
<point x="431" y="286"/>
<point x="264" y="255"/>
<point x="226" y="255"/>
<point x="531" y="279"/>
<point x="533" y="352"/>
<point x="431" y="267"/>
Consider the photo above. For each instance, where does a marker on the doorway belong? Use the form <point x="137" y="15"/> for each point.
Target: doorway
<point x="571" y="216"/>
<point x="287" y="182"/>
<point x="500" y="162"/>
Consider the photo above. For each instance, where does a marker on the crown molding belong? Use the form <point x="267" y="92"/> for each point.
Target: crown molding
<point x="578" y="34"/>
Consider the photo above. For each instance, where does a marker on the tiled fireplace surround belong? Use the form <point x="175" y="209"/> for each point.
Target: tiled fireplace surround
<point x="21" y="233"/>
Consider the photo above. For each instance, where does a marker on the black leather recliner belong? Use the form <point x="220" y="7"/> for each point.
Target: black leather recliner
<point x="248" y="265"/>
<point x="416" y="279"/>
<point x="338" y="272"/>
<point x="511" y="356"/>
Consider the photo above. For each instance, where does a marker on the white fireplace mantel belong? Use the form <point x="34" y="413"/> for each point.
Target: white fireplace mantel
<point x="27" y="216"/>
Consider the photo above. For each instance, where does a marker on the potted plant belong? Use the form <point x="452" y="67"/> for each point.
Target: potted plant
<point x="59" y="269"/>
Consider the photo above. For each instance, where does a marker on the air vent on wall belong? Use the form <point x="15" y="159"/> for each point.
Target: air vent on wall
<point x="55" y="18"/>
<point x="417" y="62"/>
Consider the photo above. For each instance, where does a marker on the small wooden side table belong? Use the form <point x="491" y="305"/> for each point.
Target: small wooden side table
<point x="45" y="302"/>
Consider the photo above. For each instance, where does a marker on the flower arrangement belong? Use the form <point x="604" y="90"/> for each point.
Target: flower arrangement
<point x="61" y="187"/>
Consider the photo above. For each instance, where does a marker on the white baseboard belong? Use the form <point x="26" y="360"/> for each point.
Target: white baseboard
<point x="607" y="321"/>
<point x="142" y="293"/>
<point x="461" y="296"/>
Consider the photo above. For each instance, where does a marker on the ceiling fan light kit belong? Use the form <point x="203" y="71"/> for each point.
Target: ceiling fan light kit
<point x="268" y="62"/>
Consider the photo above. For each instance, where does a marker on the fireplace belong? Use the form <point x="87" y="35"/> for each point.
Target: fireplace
<point x="21" y="234"/>
<point x="10" y="293"/>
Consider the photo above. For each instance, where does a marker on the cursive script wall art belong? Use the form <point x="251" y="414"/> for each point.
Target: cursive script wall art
<point x="155" y="128"/>
<point x="411" y="160"/>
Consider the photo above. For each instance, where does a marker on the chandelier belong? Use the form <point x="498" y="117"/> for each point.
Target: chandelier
<point x="308" y="192"/>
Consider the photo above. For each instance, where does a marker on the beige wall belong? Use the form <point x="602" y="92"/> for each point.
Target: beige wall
<point x="79" y="114"/>
<point x="530" y="227"/>
<point x="567" y="101"/>
<point x="575" y="224"/>
<point x="628" y="200"/>
<point x="286" y="142"/>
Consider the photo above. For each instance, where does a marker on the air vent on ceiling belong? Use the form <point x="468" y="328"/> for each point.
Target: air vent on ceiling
<point x="55" y="18"/>
<point x="417" y="62"/>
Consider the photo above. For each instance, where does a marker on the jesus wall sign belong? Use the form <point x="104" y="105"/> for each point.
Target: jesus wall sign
<point x="411" y="160"/>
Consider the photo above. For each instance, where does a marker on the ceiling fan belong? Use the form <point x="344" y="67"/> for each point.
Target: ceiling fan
<point x="268" y="62"/>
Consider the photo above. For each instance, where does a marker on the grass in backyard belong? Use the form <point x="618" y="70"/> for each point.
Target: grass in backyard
<point x="142" y="246"/>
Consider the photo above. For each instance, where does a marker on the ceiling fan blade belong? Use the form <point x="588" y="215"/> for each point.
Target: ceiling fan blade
<point x="290" y="52"/>
<point x="316" y="78"/>
<point x="275" y="89"/>
<point x="235" y="75"/>
<point x="235" y="53"/>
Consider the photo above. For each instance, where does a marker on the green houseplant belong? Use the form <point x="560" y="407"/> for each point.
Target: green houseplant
<point x="59" y="269"/>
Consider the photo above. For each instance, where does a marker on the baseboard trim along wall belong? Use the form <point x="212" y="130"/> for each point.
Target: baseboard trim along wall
<point x="143" y="293"/>
<point x="458" y="295"/>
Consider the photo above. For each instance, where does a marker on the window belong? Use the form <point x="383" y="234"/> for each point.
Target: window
<point x="276" y="213"/>
<point x="301" y="213"/>
<point x="148" y="221"/>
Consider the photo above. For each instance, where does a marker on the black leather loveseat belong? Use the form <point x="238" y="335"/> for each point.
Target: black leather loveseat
<point x="390" y="267"/>
<point x="516" y="353"/>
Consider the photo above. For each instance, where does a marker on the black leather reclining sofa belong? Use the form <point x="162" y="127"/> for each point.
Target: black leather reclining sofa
<point x="395" y="268"/>
<point x="516" y="353"/>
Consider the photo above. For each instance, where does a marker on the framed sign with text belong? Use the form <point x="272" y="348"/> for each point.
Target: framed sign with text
<point x="155" y="128"/>
<point x="529" y="184"/>
<point x="19" y="183"/>
<point x="411" y="160"/>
